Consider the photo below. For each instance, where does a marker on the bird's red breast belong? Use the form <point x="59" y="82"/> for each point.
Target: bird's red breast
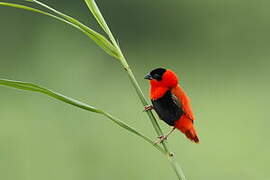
<point x="171" y="102"/>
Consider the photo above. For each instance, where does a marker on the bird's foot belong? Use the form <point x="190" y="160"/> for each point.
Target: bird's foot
<point x="148" y="108"/>
<point x="161" y="139"/>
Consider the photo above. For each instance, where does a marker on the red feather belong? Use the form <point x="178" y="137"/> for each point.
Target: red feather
<point x="184" y="99"/>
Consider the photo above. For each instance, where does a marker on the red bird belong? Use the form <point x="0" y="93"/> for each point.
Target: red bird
<point x="171" y="102"/>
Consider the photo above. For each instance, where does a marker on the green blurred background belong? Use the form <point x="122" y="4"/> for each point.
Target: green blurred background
<point x="220" y="50"/>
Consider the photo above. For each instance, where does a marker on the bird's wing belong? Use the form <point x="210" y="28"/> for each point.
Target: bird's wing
<point x="176" y="101"/>
<point x="182" y="97"/>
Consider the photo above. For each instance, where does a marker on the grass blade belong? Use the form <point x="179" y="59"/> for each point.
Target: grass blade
<point x="95" y="36"/>
<point x="100" y="19"/>
<point x="35" y="88"/>
<point x="97" y="14"/>
<point x="98" y="38"/>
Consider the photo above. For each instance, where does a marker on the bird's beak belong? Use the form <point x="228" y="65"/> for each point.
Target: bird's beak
<point x="148" y="76"/>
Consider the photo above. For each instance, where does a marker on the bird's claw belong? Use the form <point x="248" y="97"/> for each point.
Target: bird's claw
<point x="148" y="108"/>
<point x="161" y="139"/>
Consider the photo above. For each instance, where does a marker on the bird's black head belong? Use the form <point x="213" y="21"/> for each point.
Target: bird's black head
<point x="155" y="74"/>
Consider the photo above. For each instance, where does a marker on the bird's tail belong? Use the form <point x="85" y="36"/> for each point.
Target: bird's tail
<point x="192" y="135"/>
<point x="185" y="125"/>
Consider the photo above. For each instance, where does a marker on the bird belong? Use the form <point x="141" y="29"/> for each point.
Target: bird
<point x="171" y="103"/>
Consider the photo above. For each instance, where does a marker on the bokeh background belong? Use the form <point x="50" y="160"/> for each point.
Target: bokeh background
<point x="220" y="50"/>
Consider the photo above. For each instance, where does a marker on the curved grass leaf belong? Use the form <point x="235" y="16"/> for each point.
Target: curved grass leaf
<point x="100" y="19"/>
<point x="95" y="36"/>
<point x="100" y="40"/>
<point x="97" y="14"/>
<point x="35" y="88"/>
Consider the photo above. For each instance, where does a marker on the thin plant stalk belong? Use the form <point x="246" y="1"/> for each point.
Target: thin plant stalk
<point x="98" y="15"/>
<point x="176" y="167"/>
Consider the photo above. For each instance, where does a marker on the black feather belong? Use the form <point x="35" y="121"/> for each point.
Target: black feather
<point x="157" y="73"/>
<point x="168" y="108"/>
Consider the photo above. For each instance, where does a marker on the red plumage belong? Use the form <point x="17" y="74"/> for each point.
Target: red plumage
<point x="171" y="102"/>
